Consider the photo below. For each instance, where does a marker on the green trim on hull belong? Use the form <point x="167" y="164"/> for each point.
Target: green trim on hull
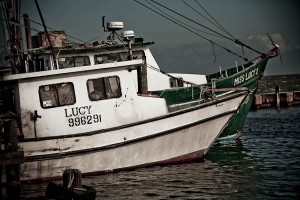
<point x="247" y="76"/>
<point x="236" y="124"/>
<point x="178" y="95"/>
<point x="243" y="78"/>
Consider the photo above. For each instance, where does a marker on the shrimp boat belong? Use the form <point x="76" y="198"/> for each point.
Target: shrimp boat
<point x="246" y="75"/>
<point x="88" y="107"/>
<point x="178" y="88"/>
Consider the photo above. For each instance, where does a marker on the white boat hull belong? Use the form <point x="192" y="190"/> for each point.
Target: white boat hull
<point x="177" y="137"/>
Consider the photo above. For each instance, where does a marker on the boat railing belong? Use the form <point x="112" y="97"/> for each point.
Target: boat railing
<point x="228" y="72"/>
<point x="206" y="95"/>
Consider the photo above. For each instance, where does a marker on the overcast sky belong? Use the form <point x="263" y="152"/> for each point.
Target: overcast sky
<point x="176" y="49"/>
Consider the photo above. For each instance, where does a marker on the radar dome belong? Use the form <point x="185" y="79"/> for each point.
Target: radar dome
<point x="128" y="35"/>
<point x="114" y="26"/>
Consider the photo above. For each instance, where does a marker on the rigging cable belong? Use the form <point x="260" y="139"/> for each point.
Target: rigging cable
<point x="218" y="26"/>
<point x="226" y="31"/>
<point x="213" y="47"/>
<point x="237" y="41"/>
<point x="54" y="30"/>
<point x="171" y="76"/>
<point x="85" y="42"/>
<point x="244" y="58"/>
<point x="191" y="20"/>
<point x="181" y="21"/>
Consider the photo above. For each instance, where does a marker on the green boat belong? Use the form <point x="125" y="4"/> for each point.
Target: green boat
<point x="242" y="76"/>
<point x="247" y="75"/>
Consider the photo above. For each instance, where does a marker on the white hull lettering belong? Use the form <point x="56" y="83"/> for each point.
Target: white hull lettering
<point x="239" y="80"/>
<point x="251" y="74"/>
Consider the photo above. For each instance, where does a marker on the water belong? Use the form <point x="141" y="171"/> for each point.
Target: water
<point x="264" y="164"/>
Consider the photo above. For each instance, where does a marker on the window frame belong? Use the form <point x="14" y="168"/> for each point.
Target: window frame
<point x="74" y="58"/>
<point x="55" y="85"/>
<point x="105" y="92"/>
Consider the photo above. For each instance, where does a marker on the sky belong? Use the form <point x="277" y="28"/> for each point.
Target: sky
<point x="175" y="48"/>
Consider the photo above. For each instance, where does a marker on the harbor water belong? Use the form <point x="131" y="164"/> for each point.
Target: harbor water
<point x="263" y="164"/>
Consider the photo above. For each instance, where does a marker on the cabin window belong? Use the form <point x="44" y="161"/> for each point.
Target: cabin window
<point x="55" y="95"/>
<point x="104" y="88"/>
<point x="107" y="58"/>
<point x="75" y="61"/>
<point x="176" y="82"/>
<point x="117" y="57"/>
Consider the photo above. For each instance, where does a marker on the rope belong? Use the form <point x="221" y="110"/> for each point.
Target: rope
<point x="203" y="89"/>
<point x="54" y="30"/>
<point x="169" y="75"/>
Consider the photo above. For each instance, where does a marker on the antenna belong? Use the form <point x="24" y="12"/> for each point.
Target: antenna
<point x="103" y="22"/>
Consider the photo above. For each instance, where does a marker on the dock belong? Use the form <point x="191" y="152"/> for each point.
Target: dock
<point x="277" y="91"/>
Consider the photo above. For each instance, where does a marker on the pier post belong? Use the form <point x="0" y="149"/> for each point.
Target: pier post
<point x="72" y="178"/>
<point x="71" y="188"/>
<point x="258" y="101"/>
<point x="277" y="96"/>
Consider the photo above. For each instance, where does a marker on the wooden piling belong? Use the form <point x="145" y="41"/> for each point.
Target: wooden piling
<point x="256" y="102"/>
<point x="72" y="178"/>
<point x="71" y="188"/>
<point x="289" y="98"/>
<point x="11" y="158"/>
<point x="277" y="96"/>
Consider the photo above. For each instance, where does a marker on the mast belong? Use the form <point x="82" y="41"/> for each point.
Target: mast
<point x="12" y="36"/>
<point x="47" y="34"/>
<point x="18" y="27"/>
<point x="27" y="31"/>
<point x="3" y="37"/>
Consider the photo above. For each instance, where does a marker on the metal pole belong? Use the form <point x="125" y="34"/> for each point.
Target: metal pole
<point x="48" y="38"/>
<point x="27" y="31"/>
